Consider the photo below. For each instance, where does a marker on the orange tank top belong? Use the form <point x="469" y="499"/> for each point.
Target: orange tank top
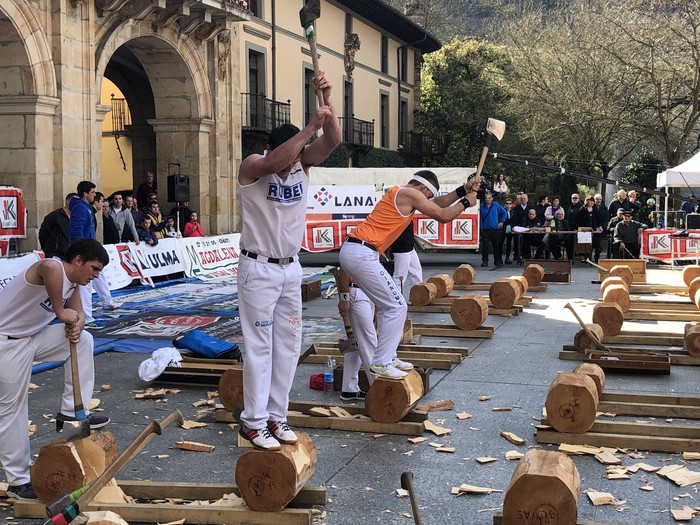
<point x="384" y="224"/>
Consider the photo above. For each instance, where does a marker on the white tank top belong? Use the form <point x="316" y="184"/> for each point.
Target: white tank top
<point x="274" y="214"/>
<point x="25" y="308"/>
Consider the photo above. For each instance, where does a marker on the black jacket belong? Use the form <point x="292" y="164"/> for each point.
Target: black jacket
<point x="111" y="232"/>
<point x="53" y="234"/>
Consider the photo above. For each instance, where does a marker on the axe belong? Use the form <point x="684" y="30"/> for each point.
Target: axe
<point x="308" y="15"/>
<point x="494" y="128"/>
<point x="80" y="428"/>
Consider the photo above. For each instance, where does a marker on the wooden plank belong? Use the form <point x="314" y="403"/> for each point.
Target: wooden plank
<point x="650" y="410"/>
<point x="638" y="442"/>
<point x="671" y="350"/>
<point x="425" y="362"/>
<point x="638" y="267"/>
<point x="656" y="288"/>
<point x="645" y="338"/>
<point x="661" y="315"/>
<point x="409" y="347"/>
<point x="631" y="362"/>
<point x="485" y="287"/>
<point x="662" y="305"/>
<point x="332" y="349"/>
<point x="445" y="309"/>
<point x="646" y="397"/>
<point x="438" y="330"/>
<point x="498" y="520"/>
<point x="571" y="354"/>
<point x="525" y="300"/>
<point x="417" y="416"/>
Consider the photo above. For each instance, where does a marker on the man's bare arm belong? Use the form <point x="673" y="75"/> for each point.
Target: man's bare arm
<point x="319" y="150"/>
<point x="409" y="199"/>
<point x="50" y="274"/>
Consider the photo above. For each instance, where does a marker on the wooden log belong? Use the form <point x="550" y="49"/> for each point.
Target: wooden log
<point x="389" y="400"/>
<point x="610" y="318"/>
<point x="534" y="274"/>
<point x="524" y="285"/>
<point x="504" y="293"/>
<point x="572" y="402"/>
<point x="61" y="468"/>
<point x="624" y="272"/>
<point x="544" y="488"/>
<point x="408" y="335"/>
<point x="691" y="342"/>
<point x="443" y="283"/>
<point x="595" y="372"/>
<point x="469" y="311"/>
<point x="693" y="288"/>
<point x="583" y="343"/>
<point x="231" y="388"/>
<point x="609" y="281"/>
<point x="690" y="272"/>
<point x="422" y="293"/>
<point x="270" y="479"/>
<point x="618" y="294"/>
<point x="464" y="274"/>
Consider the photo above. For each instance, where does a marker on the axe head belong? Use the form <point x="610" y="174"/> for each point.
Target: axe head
<point x="495" y="127"/>
<point x="347" y="345"/>
<point x="310" y="12"/>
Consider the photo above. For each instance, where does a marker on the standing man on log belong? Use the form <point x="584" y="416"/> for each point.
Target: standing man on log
<point x="273" y="190"/>
<point x="28" y="304"/>
<point x="359" y="256"/>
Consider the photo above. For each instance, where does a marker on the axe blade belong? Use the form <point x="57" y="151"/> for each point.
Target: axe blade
<point x="496" y="127"/>
<point x="310" y="12"/>
<point x="347" y="345"/>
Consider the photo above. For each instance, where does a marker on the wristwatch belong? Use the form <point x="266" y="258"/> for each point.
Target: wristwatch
<point x="345" y="296"/>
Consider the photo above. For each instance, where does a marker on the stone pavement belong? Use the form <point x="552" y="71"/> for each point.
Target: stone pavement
<point x="361" y="471"/>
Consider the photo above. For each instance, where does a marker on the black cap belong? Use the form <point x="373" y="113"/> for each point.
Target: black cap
<point x="627" y="212"/>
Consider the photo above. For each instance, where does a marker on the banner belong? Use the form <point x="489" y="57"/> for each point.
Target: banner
<point x="9" y="267"/>
<point x="165" y="258"/>
<point x="122" y="268"/>
<point x="663" y="245"/>
<point x="211" y="257"/>
<point x="13" y="215"/>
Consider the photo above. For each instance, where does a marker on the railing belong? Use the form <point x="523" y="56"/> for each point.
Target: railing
<point x="121" y="118"/>
<point x="357" y="132"/>
<point x="263" y="114"/>
<point x="412" y="142"/>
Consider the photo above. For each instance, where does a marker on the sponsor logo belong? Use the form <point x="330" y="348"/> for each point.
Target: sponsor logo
<point x="659" y="243"/>
<point x="462" y="229"/>
<point x="323" y="196"/>
<point x="295" y="321"/>
<point x="428" y="229"/>
<point x="323" y="237"/>
<point x="182" y="320"/>
<point x="263" y="324"/>
<point x="285" y="194"/>
<point x="8" y="212"/>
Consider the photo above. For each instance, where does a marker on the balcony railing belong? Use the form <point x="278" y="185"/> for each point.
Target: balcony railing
<point x="121" y="117"/>
<point x="417" y="143"/>
<point x="263" y="114"/>
<point x="357" y="132"/>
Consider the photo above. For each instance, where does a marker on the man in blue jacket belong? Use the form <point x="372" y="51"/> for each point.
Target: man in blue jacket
<point x="492" y="216"/>
<point x="82" y="226"/>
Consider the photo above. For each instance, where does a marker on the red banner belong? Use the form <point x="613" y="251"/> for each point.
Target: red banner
<point x="13" y="215"/>
<point x="664" y="245"/>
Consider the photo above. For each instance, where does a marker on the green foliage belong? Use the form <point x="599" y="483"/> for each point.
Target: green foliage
<point x="337" y="159"/>
<point x="642" y="172"/>
<point x="379" y="158"/>
<point x="252" y="143"/>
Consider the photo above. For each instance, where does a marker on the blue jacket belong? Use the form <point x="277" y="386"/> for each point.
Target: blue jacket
<point x="81" y="225"/>
<point x="490" y="217"/>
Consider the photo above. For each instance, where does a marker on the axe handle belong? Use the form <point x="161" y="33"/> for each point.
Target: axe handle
<point x="484" y="154"/>
<point x="80" y="414"/>
<point x="590" y="334"/>
<point x="604" y="270"/>
<point x="314" y="60"/>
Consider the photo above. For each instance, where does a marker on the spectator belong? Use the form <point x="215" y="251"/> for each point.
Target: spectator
<point x="573" y="210"/>
<point x="53" y="233"/>
<point x="145" y="232"/>
<point x="508" y="232"/>
<point x="612" y="223"/>
<point x="492" y="217"/>
<point x="620" y="202"/>
<point x="131" y="205"/>
<point x="182" y="213"/>
<point x="146" y="189"/>
<point x="99" y="283"/>
<point x="82" y="226"/>
<point x="170" y="229"/>
<point x="554" y="241"/>
<point x="601" y="211"/>
<point x="193" y="228"/>
<point x="635" y="206"/>
<point x="500" y="188"/>
<point x="688" y="207"/>
<point x="123" y="219"/>
<point x="157" y="221"/>
<point x="626" y="237"/>
<point x="588" y="217"/>
<point x="541" y="207"/>
<point x="111" y="231"/>
<point x="551" y="210"/>
<point x="532" y="240"/>
<point x="646" y="214"/>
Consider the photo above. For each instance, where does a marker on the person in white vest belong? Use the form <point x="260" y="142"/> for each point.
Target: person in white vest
<point x="272" y="189"/>
<point x="28" y="304"/>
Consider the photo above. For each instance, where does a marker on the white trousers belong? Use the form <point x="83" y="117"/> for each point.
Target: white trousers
<point x="102" y="288"/>
<point x="361" y="317"/>
<point x="407" y="266"/>
<point x="269" y="302"/>
<point x="362" y="264"/>
<point x="16" y="357"/>
<point x="86" y="299"/>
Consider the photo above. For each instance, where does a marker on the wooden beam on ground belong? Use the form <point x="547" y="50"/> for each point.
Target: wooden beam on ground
<point x="645" y="338"/>
<point x="405" y="350"/>
<point x="570" y="353"/>
<point x="446" y="309"/>
<point x="435" y="361"/>
<point x="525" y="300"/>
<point x="650" y="405"/>
<point x="442" y="330"/>
<point x="656" y="288"/>
<point x="485" y="287"/>
<point x="650" y="314"/>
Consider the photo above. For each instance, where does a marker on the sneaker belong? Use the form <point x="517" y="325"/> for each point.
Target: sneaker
<point x="21" y="491"/>
<point x="353" y="396"/>
<point x="97" y="325"/>
<point x="282" y="432"/>
<point x="404" y="366"/>
<point x="260" y="438"/>
<point x="484" y="264"/>
<point x="387" y="371"/>
<point x="96" y="421"/>
<point x="113" y="306"/>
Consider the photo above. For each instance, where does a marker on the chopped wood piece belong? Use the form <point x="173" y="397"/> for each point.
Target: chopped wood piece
<point x="104" y="517"/>
<point x="691" y="456"/>
<point x="484" y="398"/>
<point x="320" y="411"/>
<point x="473" y="489"/>
<point x="680" y="475"/>
<point x="438" y="431"/>
<point x="104" y="388"/>
<point x="513" y="438"/>
<point x="417" y="440"/>
<point x="608" y="458"/>
<point x="436" y="445"/>
<point x="437" y="406"/>
<point x="340" y="412"/>
<point x="194" y="446"/>
<point x="501" y="409"/>
<point x="463" y="415"/>
<point x="512" y="455"/>
<point x="485" y="459"/>
<point x="684" y="514"/>
<point x="579" y="449"/>
<point x="449" y="450"/>
<point x="152" y="393"/>
<point x="600" y="498"/>
<point x="648" y="488"/>
<point x="388" y="401"/>
<point x="187" y="424"/>
<point x="401" y="493"/>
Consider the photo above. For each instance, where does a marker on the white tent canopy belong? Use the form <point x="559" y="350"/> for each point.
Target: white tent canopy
<point x="684" y="175"/>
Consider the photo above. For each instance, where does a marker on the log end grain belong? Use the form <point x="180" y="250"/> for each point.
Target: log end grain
<point x="618" y="294"/>
<point x="231" y="388"/>
<point x="534" y="274"/>
<point x="469" y="311"/>
<point x="422" y="294"/>
<point x="443" y="283"/>
<point x="595" y="372"/>
<point x="610" y="317"/>
<point x="504" y="293"/>
<point x="608" y="281"/>
<point x="624" y="272"/>
<point x="692" y="340"/>
<point x="389" y="400"/>
<point x="572" y="402"/>
<point x="464" y="274"/>
<point x="583" y="343"/>
<point x="690" y="272"/>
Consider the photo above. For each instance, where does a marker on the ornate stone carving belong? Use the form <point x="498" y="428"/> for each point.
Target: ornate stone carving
<point x="352" y="44"/>
<point x="224" y="48"/>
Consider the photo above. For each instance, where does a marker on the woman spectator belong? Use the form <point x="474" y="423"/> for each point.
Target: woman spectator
<point x="170" y="229"/>
<point x="193" y="228"/>
<point x="500" y="188"/>
<point x="552" y="210"/>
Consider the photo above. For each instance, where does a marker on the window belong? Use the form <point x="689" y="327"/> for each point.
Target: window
<point x="309" y="94"/>
<point x="404" y="64"/>
<point x="403" y="122"/>
<point x="255" y="7"/>
<point x="348" y="109"/>
<point x="385" y="54"/>
<point x="255" y="72"/>
<point x="384" y="121"/>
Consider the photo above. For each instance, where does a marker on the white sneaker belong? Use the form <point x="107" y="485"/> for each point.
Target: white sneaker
<point x="114" y="306"/>
<point x="281" y="431"/>
<point x="404" y="366"/>
<point x="387" y="371"/>
<point x="260" y="438"/>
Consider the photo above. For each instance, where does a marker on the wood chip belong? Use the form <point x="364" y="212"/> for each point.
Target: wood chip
<point x="401" y="493"/>
<point x="608" y="458"/>
<point x="194" y="446"/>
<point x="501" y="409"/>
<point x="177" y="522"/>
<point x="463" y="415"/>
<point x="417" y="440"/>
<point x="485" y="459"/>
<point x="340" y="412"/>
<point x="187" y="424"/>
<point x="444" y="404"/>
<point x="320" y="411"/>
<point x="680" y="475"/>
<point x="684" y="514"/>
<point x="473" y="489"/>
<point x="513" y="438"/>
<point x="579" y="449"/>
<point x="438" y="431"/>
<point x="600" y="498"/>
<point x="484" y="398"/>
<point x="691" y="456"/>
<point x="151" y="393"/>
<point x="436" y="445"/>
<point x="648" y="488"/>
<point x="104" y="388"/>
<point x="203" y="402"/>
<point x="449" y="450"/>
<point x="513" y="455"/>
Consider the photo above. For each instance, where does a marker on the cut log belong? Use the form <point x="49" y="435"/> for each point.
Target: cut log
<point x="407" y="336"/>
<point x="422" y="294"/>
<point x="534" y="274"/>
<point x="695" y="298"/>
<point x="618" y="294"/>
<point x="504" y="293"/>
<point x="104" y="517"/>
<point x="270" y="479"/>
<point x="692" y="339"/>
<point x="690" y="272"/>
<point x="545" y="488"/>
<point x="524" y="285"/>
<point x="469" y="311"/>
<point x="609" y="316"/>
<point x="389" y="400"/>
<point x="231" y="388"/>
<point x="464" y="274"/>
<point x="608" y="281"/>
<point x="443" y="283"/>
<point x="624" y="272"/>
<point x="595" y="373"/>
<point x="61" y="468"/>
<point x="583" y="343"/>
<point x="572" y="402"/>
<point x="693" y="288"/>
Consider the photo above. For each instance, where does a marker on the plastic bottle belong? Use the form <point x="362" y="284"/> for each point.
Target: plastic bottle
<point x="328" y="376"/>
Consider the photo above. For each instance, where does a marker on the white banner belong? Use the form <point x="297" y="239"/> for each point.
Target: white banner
<point x="211" y="257"/>
<point x="122" y="268"/>
<point x="9" y="267"/>
<point x="343" y="202"/>
<point x="164" y="258"/>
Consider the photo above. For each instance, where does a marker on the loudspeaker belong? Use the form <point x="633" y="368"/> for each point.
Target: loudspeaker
<point x="178" y="188"/>
<point x="692" y="221"/>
